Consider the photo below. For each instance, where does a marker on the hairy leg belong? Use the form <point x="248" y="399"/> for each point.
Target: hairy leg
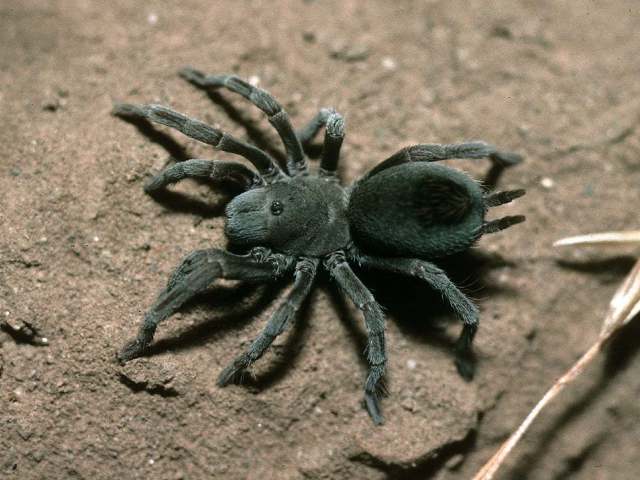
<point x="437" y="279"/>
<point x="262" y="99"/>
<point x="213" y="170"/>
<point x="500" y="198"/>
<point x="333" y="137"/>
<point x="308" y="133"/>
<point x="374" y="322"/>
<point x="435" y="152"/>
<point x="494" y="226"/>
<point x="266" y="166"/>
<point x="196" y="272"/>
<point x="305" y="273"/>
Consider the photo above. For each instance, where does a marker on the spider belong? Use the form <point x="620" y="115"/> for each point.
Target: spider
<point x="399" y="217"/>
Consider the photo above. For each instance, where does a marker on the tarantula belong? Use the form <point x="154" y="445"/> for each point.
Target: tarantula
<point x="399" y="217"/>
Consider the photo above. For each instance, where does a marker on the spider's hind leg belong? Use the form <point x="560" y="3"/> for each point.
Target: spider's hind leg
<point x="500" y="198"/>
<point x="494" y="226"/>
<point x="351" y="285"/>
<point x="439" y="281"/>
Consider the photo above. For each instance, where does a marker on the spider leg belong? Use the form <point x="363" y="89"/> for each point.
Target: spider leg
<point x="304" y="274"/>
<point x="435" y="152"/>
<point x="334" y="135"/>
<point x="500" y="198"/>
<point x="198" y="130"/>
<point x="374" y="322"/>
<point x="494" y="226"/>
<point x="437" y="279"/>
<point x="196" y="272"/>
<point x="262" y="99"/>
<point x="308" y="133"/>
<point x="212" y="170"/>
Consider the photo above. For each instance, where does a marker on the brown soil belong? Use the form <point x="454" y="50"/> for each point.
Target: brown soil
<point x="84" y="251"/>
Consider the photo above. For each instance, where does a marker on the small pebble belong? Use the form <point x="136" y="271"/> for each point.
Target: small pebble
<point x="408" y="404"/>
<point x="502" y="31"/>
<point x="152" y="18"/>
<point x="411" y="364"/>
<point x="547" y="183"/>
<point x="309" y="36"/>
<point x="254" y="80"/>
<point x="349" y="53"/>
<point x="51" y="105"/>
<point x="504" y="278"/>
<point x="389" y="63"/>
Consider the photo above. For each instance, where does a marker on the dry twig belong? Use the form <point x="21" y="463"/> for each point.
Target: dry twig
<point x="624" y="305"/>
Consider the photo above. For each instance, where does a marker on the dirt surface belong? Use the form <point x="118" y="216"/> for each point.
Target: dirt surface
<point x="84" y="251"/>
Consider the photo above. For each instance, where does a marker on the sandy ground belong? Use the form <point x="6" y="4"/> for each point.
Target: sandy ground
<point x="84" y="251"/>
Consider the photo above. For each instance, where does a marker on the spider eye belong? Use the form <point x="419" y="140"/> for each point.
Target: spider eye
<point x="276" y="207"/>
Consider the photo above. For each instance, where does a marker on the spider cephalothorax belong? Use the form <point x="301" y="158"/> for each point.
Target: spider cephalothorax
<point x="399" y="217"/>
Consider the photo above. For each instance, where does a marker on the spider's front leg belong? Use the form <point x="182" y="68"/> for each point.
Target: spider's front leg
<point x="305" y="273"/>
<point x="262" y="99"/>
<point x="333" y="137"/>
<point x="214" y="171"/>
<point x="374" y="321"/>
<point x="196" y="272"/>
<point x="438" y="279"/>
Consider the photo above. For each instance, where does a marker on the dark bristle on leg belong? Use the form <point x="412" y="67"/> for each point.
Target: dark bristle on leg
<point x="501" y="198"/>
<point x="500" y="224"/>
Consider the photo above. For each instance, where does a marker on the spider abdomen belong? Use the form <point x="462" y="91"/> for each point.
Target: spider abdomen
<point x="419" y="209"/>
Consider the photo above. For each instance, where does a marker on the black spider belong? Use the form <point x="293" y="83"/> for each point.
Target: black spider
<point x="401" y="215"/>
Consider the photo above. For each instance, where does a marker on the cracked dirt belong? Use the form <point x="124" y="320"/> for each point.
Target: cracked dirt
<point x="84" y="251"/>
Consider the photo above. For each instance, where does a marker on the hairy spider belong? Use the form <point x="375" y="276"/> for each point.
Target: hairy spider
<point x="404" y="213"/>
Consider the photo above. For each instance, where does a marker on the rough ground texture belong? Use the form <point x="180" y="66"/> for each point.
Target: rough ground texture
<point x="84" y="251"/>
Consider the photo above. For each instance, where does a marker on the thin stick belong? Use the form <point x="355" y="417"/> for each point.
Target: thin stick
<point x="624" y="305"/>
<point x="490" y="468"/>
<point x="605" y="239"/>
